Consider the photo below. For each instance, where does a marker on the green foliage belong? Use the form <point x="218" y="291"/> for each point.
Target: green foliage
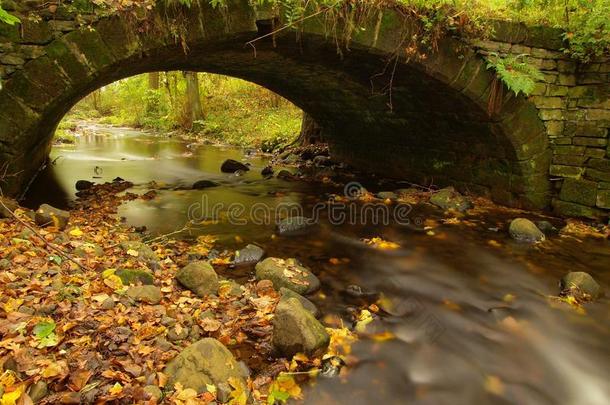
<point x="236" y="112"/>
<point x="7" y="18"/>
<point x="516" y="74"/>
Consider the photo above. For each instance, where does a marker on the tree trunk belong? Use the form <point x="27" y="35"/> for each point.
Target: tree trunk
<point x="311" y="132"/>
<point x="193" y="110"/>
<point x="153" y="81"/>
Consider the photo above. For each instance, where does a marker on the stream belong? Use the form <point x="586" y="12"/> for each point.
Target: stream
<point x="467" y="305"/>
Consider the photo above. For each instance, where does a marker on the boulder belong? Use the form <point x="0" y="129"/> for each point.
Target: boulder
<point x="145" y="293"/>
<point x="524" y="230"/>
<point x="296" y="330"/>
<point x="308" y="305"/>
<point x="387" y="195"/>
<point x="38" y="391"/>
<point x="546" y="227"/>
<point x="153" y="392"/>
<point x="249" y="255"/>
<point x="448" y="198"/>
<point x="285" y="175"/>
<point x="294" y="225"/>
<point x="201" y="184"/>
<point x="267" y="171"/>
<point x="47" y="215"/>
<point x="206" y="362"/>
<point x="322" y="161"/>
<point x="144" y="252"/>
<point x="83" y="185"/>
<point x="199" y="277"/>
<point x="7" y="206"/>
<point x="580" y="284"/>
<point x="231" y="166"/>
<point x="287" y="273"/>
<point x="135" y="276"/>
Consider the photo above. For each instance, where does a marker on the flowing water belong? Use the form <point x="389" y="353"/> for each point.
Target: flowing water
<point x="471" y="317"/>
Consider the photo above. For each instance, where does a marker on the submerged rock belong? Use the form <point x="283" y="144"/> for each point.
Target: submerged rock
<point x="322" y="161"/>
<point x="287" y="273"/>
<point x="231" y="166"/>
<point x="201" y="184"/>
<point x="249" y="255"/>
<point x="448" y="198"/>
<point x="199" y="277"/>
<point x="296" y="330"/>
<point x="135" y="276"/>
<point x="294" y="225"/>
<point x="308" y="305"/>
<point x="47" y="215"/>
<point x="546" y="227"/>
<point x="524" y="230"/>
<point x="149" y="294"/>
<point x="83" y="185"/>
<point x="140" y="250"/>
<point x="206" y="362"/>
<point x="580" y="285"/>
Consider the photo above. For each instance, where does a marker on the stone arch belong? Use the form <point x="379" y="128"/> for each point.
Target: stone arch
<point x="436" y="131"/>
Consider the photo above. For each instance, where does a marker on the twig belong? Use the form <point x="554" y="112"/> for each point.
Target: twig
<point x="48" y="244"/>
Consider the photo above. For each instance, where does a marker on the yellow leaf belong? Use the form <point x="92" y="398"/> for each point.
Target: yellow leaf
<point x="12" y="304"/>
<point x="116" y="389"/>
<point x="10" y="398"/>
<point x="113" y="281"/>
<point x="494" y="385"/>
<point x="76" y="232"/>
<point x="133" y="252"/>
<point x="107" y="273"/>
<point x="364" y="318"/>
<point x="54" y="369"/>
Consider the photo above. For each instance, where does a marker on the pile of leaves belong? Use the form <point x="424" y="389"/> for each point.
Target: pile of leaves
<point x="65" y="320"/>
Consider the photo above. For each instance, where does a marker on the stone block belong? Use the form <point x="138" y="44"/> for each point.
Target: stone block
<point x="579" y="191"/>
<point x="567" y="79"/>
<point x="589" y="141"/>
<point x="595" y="152"/>
<point x="566" y="171"/>
<point x="554" y="114"/>
<point x="597" y="175"/>
<point x="548" y="102"/>
<point x="569" y="150"/>
<point x="603" y="199"/>
<point x="569" y="209"/>
<point x="569" y="160"/>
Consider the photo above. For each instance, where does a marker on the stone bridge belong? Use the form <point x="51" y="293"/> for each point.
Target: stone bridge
<point x="424" y="121"/>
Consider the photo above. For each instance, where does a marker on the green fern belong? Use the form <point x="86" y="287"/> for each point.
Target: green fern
<point x="7" y="18"/>
<point x="518" y="75"/>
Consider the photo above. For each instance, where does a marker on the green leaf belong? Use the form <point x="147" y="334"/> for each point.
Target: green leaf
<point x="43" y="329"/>
<point x="8" y="18"/>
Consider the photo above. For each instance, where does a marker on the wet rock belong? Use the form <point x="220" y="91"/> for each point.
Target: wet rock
<point x="287" y="273"/>
<point x="524" y="230"/>
<point x="201" y="184"/>
<point x="322" y="161"/>
<point x="177" y="333"/>
<point x="144" y="252"/>
<point x="267" y="171"/>
<point x="308" y="305"/>
<point x="239" y="173"/>
<point x="149" y="294"/>
<point x="294" y="225"/>
<point x="153" y="392"/>
<point x="135" y="276"/>
<point x="387" y="195"/>
<point x="249" y="255"/>
<point x="8" y="205"/>
<point x="448" y="198"/>
<point x="38" y="391"/>
<point x="83" y="185"/>
<point x="285" y="175"/>
<point x="406" y="192"/>
<point x="296" y="330"/>
<point x="47" y="215"/>
<point x="291" y="159"/>
<point x="24" y="309"/>
<point x="546" y="227"/>
<point x="199" y="277"/>
<point x="331" y="367"/>
<point x="355" y="291"/>
<point x="580" y="285"/>
<point x="206" y="362"/>
<point x="501" y="313"/>
<point x="107" y="304"/>
<point x="231" y="166"/>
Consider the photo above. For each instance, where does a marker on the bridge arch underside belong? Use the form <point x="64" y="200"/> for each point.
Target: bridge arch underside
<point x="436" y="132"/>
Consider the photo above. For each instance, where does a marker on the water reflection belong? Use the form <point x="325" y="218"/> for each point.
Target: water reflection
<point x="472" y="319"/>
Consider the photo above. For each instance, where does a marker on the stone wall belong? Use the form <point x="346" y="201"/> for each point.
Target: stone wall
<point x="573" y="100"/>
